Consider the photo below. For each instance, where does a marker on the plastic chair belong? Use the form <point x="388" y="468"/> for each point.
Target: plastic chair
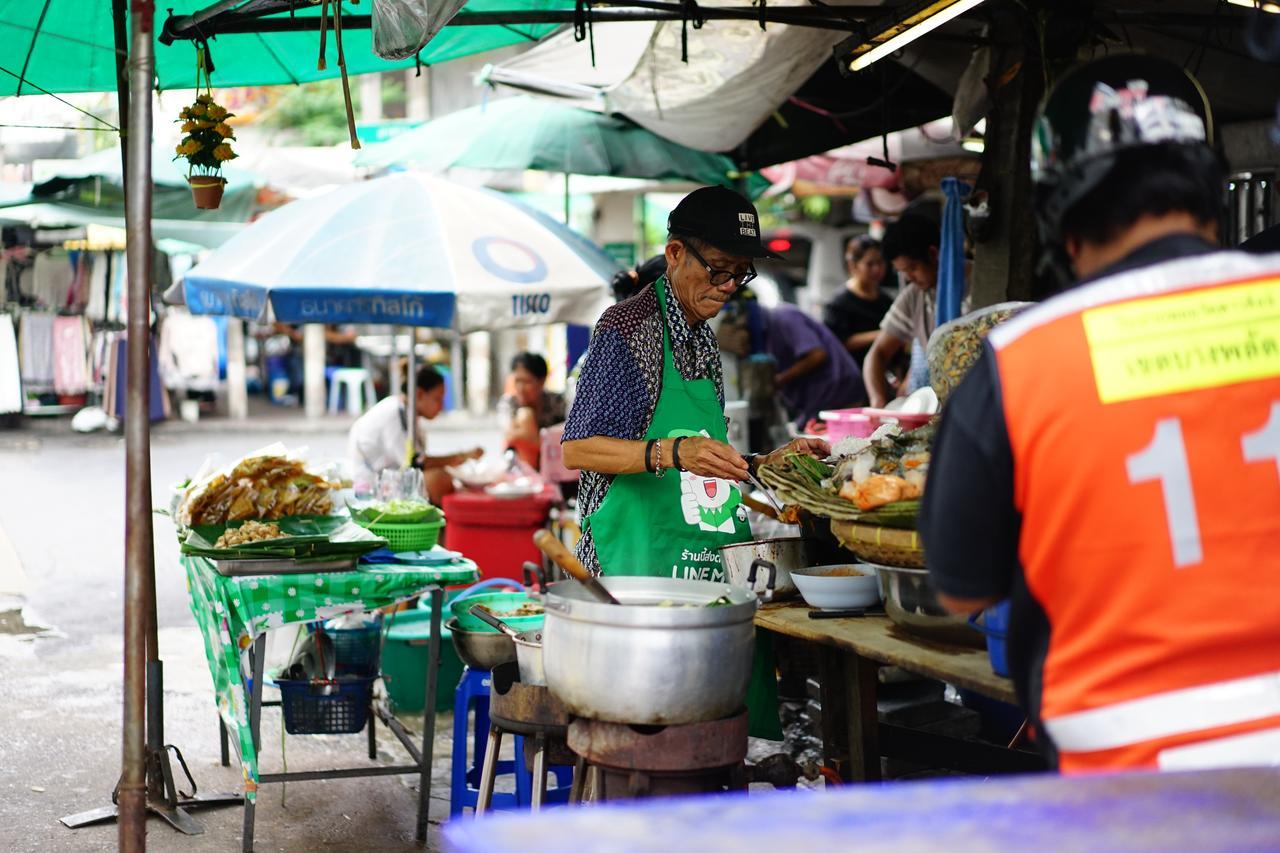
<point x="464" y="787"/>
<point x="358" y="386"/>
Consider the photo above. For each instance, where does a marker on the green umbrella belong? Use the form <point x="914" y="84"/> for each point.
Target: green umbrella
<point x="531" y="133"/>
<point x="69" y="46"/>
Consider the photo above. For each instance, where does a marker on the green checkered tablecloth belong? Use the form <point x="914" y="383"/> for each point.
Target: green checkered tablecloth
<point x="233" y="611"/>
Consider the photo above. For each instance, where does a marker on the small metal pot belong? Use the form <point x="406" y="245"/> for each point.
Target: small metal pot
<point x="481" y="649"/>
<point x="787" y="553"/>
<point x="911" y="603"/>
<point x="528" y="646"/>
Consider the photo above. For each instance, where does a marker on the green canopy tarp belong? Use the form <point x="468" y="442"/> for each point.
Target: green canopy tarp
<point x="69" y="46"/>
<point x="529" y="133"/>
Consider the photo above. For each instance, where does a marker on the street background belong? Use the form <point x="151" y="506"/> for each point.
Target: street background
<point x="61" y="676"/>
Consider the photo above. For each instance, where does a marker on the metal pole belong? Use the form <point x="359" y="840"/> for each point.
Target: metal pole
<point x="411" y="398"/>
<point x="139" y="597"/>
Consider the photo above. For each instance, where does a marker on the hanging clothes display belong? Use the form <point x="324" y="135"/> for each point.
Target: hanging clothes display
<point x="53" y="278"/>
<point x="10" y="378"/>
<point x="70" y="355"/>
<point x="36" y="346"/>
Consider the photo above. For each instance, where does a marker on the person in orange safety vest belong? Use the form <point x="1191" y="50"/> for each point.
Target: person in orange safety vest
<point x="1112" y="462"/>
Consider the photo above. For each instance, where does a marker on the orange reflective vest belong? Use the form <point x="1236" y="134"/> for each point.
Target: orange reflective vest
<point x="1143" y="413"/>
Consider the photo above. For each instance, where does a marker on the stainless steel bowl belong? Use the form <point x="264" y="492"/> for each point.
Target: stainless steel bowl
<point x="911" y="603"/>
<point x="481" y="649"/>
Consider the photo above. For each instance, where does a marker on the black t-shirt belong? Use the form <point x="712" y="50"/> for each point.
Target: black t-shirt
<point x="848" y="314"/>
<point x="972" y="546"/>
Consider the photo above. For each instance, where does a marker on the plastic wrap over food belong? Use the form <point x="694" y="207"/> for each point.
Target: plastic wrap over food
<point x="954" y="347"/>
<point x="267" y="484"/>
<point x="401" y="28"/>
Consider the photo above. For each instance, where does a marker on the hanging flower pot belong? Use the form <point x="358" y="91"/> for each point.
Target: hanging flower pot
<point x="206" y="190"/>
<point x="206" y="145"/>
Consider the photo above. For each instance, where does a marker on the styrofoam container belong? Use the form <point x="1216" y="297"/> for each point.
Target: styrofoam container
<point x="839" y="586"/>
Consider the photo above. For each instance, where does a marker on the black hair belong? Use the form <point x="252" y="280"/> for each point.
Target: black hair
<point x="425" y="379"/>
<point x="912" y="236"/>
<point x="1152" y="180"/>
<point x="532" y="362"/>
<point x="857" y="247"/>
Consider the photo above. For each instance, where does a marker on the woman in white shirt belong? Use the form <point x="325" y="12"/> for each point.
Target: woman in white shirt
<point x="379" y="438"/>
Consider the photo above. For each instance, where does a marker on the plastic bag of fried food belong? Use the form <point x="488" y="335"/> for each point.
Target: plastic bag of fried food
<point x="266" y="484"/>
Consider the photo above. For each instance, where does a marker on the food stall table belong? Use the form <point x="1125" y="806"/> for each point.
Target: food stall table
<point x="851" y="651"/>
<point x="1216" y="810"/>
<point x="235" y="612"/>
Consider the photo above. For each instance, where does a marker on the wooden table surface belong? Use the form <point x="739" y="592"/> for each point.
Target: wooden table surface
<point x="878" y="639"/>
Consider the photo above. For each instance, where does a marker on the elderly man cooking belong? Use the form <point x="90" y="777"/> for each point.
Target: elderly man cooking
<point x="647" y="427"/>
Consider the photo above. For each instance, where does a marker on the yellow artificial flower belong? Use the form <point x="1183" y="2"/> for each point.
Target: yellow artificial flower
<point x="224" y="152"/>
<point x="191" y="146"/>
<point x="204" y="99"/>
<point x="188" y="127"/>
<point x="224" y="130"/>
<point x="180" y="149"/>
<point x="185" y="114"/>
<point x="216" y="112"/>
<point x="197" y="109"/>
<point x="205" y="124"/>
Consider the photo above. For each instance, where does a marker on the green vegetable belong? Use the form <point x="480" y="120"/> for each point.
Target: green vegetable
<point x="815" y="469"/>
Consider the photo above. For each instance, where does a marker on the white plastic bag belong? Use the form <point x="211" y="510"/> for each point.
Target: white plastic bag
<point x="401" y="28"/>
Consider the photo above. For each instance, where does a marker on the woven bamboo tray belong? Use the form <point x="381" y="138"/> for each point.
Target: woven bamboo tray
<point x="890" y="546"/>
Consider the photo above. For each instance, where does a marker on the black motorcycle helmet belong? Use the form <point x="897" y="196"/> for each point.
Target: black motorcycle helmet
<point x="1099" y="109"/>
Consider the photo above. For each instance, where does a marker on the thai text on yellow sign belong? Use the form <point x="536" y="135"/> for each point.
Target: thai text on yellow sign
<point x="1186" y="341"/>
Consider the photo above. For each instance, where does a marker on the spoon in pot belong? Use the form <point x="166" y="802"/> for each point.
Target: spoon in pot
<point x="564" y="558"/>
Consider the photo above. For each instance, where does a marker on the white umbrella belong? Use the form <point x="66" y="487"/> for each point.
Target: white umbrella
<point x="407" y="249"/>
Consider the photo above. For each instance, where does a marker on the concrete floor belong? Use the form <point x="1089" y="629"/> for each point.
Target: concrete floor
<point x="62" y="509"/>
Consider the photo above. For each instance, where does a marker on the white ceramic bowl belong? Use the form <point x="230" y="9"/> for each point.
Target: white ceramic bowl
<point x="838" y="587"/>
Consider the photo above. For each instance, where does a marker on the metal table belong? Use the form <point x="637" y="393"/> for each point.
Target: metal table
<point x="234" y="614"/>
<point x="851" y="652"/>
<point x="1216" y="810"/>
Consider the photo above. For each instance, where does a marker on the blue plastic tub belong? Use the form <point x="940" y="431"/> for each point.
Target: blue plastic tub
<point x="995" y="626"/>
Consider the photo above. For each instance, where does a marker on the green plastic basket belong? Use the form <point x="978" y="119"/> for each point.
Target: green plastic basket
<point x="407" y="537"/>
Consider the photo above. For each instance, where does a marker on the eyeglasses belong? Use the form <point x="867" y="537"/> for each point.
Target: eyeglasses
<point x="719" y="277"/>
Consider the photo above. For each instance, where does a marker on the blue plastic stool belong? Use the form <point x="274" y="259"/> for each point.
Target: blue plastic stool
<point x="464" y="788"/>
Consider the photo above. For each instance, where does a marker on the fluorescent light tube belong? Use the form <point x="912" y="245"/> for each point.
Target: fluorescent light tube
<point x="1249" y="4"/>
<point x="917" y="24"/>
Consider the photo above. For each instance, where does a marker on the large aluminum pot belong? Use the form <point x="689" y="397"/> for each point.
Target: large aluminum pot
<point x="911" y="604"/>
<point x="647" y="664"/>
<point x="787" y="553"/>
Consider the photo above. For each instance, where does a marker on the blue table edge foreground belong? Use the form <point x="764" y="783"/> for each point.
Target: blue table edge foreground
<point x="1211" y="810"/>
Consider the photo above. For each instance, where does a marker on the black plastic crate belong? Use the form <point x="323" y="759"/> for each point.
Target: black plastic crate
<point x="308" y="710"/>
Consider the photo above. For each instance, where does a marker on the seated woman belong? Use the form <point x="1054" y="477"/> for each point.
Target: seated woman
<point x="379" y="438"/>
<point x="530" y="408"/>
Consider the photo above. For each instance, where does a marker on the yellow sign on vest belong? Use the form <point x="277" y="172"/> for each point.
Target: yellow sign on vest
<point x="1185" y="341"/>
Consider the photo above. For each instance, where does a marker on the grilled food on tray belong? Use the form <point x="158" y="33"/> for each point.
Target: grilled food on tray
<point x="250" y="531"/>
<point x="876" y="480"/>
<point x="256" y="487"/>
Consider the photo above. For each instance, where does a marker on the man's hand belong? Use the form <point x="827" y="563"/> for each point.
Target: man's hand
<point x="806" y="446"/>
<point x="707" y="457"/>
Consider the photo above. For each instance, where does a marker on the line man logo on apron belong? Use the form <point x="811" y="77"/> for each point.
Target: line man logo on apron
<point x="709" y="503"/>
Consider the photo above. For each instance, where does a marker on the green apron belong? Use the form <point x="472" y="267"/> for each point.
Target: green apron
<point x="672" y="526"/>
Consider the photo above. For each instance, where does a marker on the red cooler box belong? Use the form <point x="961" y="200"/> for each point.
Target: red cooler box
<point x="497" y="533"/>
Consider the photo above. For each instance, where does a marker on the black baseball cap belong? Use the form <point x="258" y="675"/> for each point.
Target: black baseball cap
<point x="722" y="218"/>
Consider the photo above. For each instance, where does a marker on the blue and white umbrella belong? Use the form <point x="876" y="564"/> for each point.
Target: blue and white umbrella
<point x="407" y="249"/>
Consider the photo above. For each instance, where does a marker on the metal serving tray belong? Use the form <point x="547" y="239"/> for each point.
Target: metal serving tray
<point x="283" y="566"/>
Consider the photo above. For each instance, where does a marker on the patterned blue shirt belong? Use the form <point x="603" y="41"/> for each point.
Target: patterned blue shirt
<point x="621" y="379"/>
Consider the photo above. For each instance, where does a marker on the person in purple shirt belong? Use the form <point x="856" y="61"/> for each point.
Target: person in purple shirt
<point x="815" y="370"/>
